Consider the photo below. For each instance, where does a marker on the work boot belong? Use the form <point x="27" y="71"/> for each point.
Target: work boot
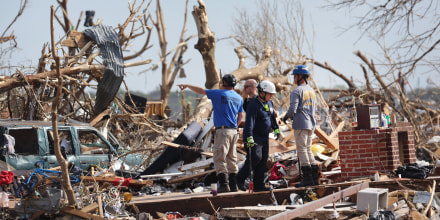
<point x="307" y="177"/>
<point x="240" y="182"/>
<point x="223" y="180"/>
<point x="241" y="187"/>
<point x="315" y="174"/>
<point x="233" y="182"/>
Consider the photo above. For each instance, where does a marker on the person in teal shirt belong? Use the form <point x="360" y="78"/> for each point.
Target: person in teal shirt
<point x="302" y="110"/>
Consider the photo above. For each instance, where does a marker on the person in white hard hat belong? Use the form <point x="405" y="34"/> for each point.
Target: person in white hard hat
<point x="260" y="121"/>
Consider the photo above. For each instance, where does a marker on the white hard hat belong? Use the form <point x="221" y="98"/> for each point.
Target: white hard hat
<point x="267" y="86"/>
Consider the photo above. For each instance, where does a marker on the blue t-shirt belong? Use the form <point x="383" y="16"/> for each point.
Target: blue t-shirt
<point x="227" y="104"/>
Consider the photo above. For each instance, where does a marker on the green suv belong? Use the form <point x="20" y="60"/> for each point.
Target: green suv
<point x="23" y="143"/>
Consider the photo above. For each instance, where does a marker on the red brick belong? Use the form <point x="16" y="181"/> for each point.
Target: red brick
<point x="371" y="150"/>
<point x="344" y="133"/>
<point x="344" y="143"/>
<point x="359" y="132"/>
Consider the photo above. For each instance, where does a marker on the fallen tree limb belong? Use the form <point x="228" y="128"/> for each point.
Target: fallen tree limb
<point x="12" y="82"/>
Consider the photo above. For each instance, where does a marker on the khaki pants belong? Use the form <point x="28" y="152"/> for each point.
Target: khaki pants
<point x="303" y="140"/>
<point x="225" y="151"/>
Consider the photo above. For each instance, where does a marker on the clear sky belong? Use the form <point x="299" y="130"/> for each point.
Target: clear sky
<point x="33" y="30"/>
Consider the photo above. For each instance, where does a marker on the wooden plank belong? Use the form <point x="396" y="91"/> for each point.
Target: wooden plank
<point x="260" y="212"/>
<point x="90" y="208"/>
<point x="263" y="212"/>
<point x="188" y="204"/>
<point x="155" y="108"/>
<point x="162" y="175"/>
<point x="178" y="145"/>
<point x="288" y="137"/>
<point x="308" y="207"/>
<point x="100" y="208"/>
<point x="190" y="177"/>
<point x="330" y="142"/>
<point x="335" y="154"/>
<point x="241" y="150"/>
<point x="111" y="179"/>
<point x="337" y="130"/>
<point x="277" y="147"/>
<point x="81" y="214"/>
<point x="99" y="117"/>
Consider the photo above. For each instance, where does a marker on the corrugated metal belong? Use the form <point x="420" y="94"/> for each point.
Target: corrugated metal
<point x="108" y="43"/>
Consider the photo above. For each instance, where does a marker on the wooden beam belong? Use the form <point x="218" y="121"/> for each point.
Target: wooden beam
<point x="188" y="204"/>
<point x="100" y="208"/>
<point x="330" y="142"/>
<point x="99" y="117"/>
<point x="337" y="129"/>
<point x="287" y="138"/>
<point x="257" y="212"/>
<point x="263" y="212"/>
<point x="308" y="207"/>
<point x="90" y="208"/>
<point x="111" y="179"/>
<point x="162" y="175"/>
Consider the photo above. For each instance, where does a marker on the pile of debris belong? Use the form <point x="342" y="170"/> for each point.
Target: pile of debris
<point x="184" y="172"/>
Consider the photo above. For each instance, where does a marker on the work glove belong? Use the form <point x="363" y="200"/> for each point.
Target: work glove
<point x="250" y="142"/>
<point x="277" y="134"/>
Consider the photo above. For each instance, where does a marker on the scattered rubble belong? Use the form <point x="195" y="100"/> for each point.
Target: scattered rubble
<point x="187" y="174"/>
<point x="175" y="179"/>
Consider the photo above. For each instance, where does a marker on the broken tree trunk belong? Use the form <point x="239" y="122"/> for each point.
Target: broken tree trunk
<point x="206" y="45"/>
<point x="61" y="160"/>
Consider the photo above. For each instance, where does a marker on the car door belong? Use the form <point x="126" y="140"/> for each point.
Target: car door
<point x="94" y="149"/>
<point x="66" y="146"/>
<point x="26" y="148"/>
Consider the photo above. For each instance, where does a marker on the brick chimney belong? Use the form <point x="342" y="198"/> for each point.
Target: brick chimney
<point x="362" y="152"/>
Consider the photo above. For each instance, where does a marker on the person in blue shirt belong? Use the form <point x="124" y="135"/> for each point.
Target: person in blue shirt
<point x="302" y="109"/>
<point x="260" y="120"/>
<point x="228" y="111"/>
